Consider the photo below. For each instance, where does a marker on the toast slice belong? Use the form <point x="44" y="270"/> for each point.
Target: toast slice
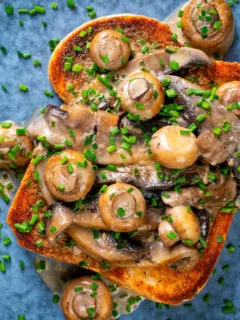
<point x="161" y="283"/>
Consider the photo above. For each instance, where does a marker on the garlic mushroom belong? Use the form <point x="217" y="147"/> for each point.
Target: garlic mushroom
<point x="84" y="298"/>
<point x="15" y="145"/>
<point x="109" y="49"/>
<point x="174" y="147"/>
<point x="182" y="225"/>
<point x="69" y="176"/>
<point x="208" y="25"/>
<point x="141" y="94"/>
<point x="229" y="95"/>
<point x="61" y="219"/>
<point x="122" y="207"/>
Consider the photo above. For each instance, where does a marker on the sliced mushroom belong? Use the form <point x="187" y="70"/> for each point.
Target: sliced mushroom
<point x="186" y="224"/>
<point x="14" y="148"/>
<point x="167" y="233"/>
<point x="180" y="256"/>
<point x="141" y="94"/>
<point x="195" y="197"/>
<point x="209" y="25"/>
<point x="66" y="179"/>
<point x="61" y="219"/>
<point x="160" y="61"/>
<point x="174" y="147"/>
<point x="84" y="297"/>
<point x="109" y="50"/>
<point x="229" y="95"/>
<point x="104" y="246"/>
<point x="122" y="207"/>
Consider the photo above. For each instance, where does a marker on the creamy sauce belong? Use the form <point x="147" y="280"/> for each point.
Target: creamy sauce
<point x="55" y="272"/>
<point x="172" y="20"/>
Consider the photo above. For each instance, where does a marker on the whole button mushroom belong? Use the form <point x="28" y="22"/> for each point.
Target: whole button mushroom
<point x="85" y="298"/>
<point x="174" y="147"/>
<point x="109" y="50"/>
<point x="229" y="95"/>
<point x="15" y="145"/>
<point x="208" y="25"/>
<point x="122" y="207"/>
<point x="182" y="225"/>
<point x="141" y="93"/>
<point x="69" y="176"/>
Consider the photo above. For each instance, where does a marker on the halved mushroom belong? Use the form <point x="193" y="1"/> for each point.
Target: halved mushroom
<point x="209" y="25"/>
<point x="122" y="207"/>
<point x="141" y="93"/>
<point x="167" y="233"/>
<point x="229" y="95"/>
<point x="103" y="245"/>
<point x="61" y="219"/>
<point x="15" y="145"/>
<point x="174" y="147"/>
<point x="109" y="50"/>
<point x="180" y="256"/>
<point x="84" y="298"/>
<point x="160" y="62"/>
<point x="66" y="178"/>
<point x="185" y="225"/>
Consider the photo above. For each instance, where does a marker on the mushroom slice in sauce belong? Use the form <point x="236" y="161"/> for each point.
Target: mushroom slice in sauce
<point x="122" y="207"/>
<point x="82" y="294"/>
<point x="174" y="147"/>
<point x="180" y="256"/>
<point x="109" y="50"/>
<point x="229" y="95"/>
<point x="194" y="196"/>
<point x="14" y="148"/>
<point x="148" y="175"/>
<point x="141" y="94"/>
<point x="66" y="178"/>
<point x="209" y="25"/>
<point x="104" y="246"/>
<point x="61" y="219"/>
<point x="168" y="234"/>
<point x="160" y="62"/>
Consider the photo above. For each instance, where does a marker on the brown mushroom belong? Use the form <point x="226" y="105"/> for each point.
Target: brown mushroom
<point x="141" y="93"/>
<point x="229" y="95"/>
<point x="61" y="219"/>
<point x="15" y="146"/>
<point x="109" y="49"/>
<point x="122" y="207"/>
<point x="69" y="176"/>
<point x="180" y="256"/>
<point x="209" y="25"/>
<point x="102" y="245"/>
<point x="182" y="224"/>
<point x="84" y="297"/>
<point x="174" y="147"/>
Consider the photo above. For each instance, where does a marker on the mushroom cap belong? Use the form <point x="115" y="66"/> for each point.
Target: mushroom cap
<point x="185" y="222"/>
<point x="122" y="207"/>
<point x="109" y="50"/>
<point x="10" y="139"/>
<point x="173" y="149"/>
<point x="191" y="25"/>
<point x="229" y="93"/>
<point x="141" y="94"/>
<point x="69" y="181"/>
<point x="77" y="299"/>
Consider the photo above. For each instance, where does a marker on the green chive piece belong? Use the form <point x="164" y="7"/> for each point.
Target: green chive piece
<point x="37" y="63"/>
<point x="105" y="82"/>
<point x="71" y="4"/>
<point x="21" y="131"/>
<point x="9" y="10"/>
<point x="77" y="68"/>
<point x="171" y="93"/>
<point x="23" y="87"/>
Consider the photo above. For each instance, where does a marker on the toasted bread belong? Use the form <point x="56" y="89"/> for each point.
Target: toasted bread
<point x="161" y="283"/>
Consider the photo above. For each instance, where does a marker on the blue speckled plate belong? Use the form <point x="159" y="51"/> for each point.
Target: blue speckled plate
<point x="22" y="291"/>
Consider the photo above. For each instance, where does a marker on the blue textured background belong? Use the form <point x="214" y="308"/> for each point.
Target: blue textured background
<point x="22" y="292"/>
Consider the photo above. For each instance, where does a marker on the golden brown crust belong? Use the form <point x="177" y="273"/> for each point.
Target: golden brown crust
<point x="160" y="284"/>
<point x="135" y="27"/>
